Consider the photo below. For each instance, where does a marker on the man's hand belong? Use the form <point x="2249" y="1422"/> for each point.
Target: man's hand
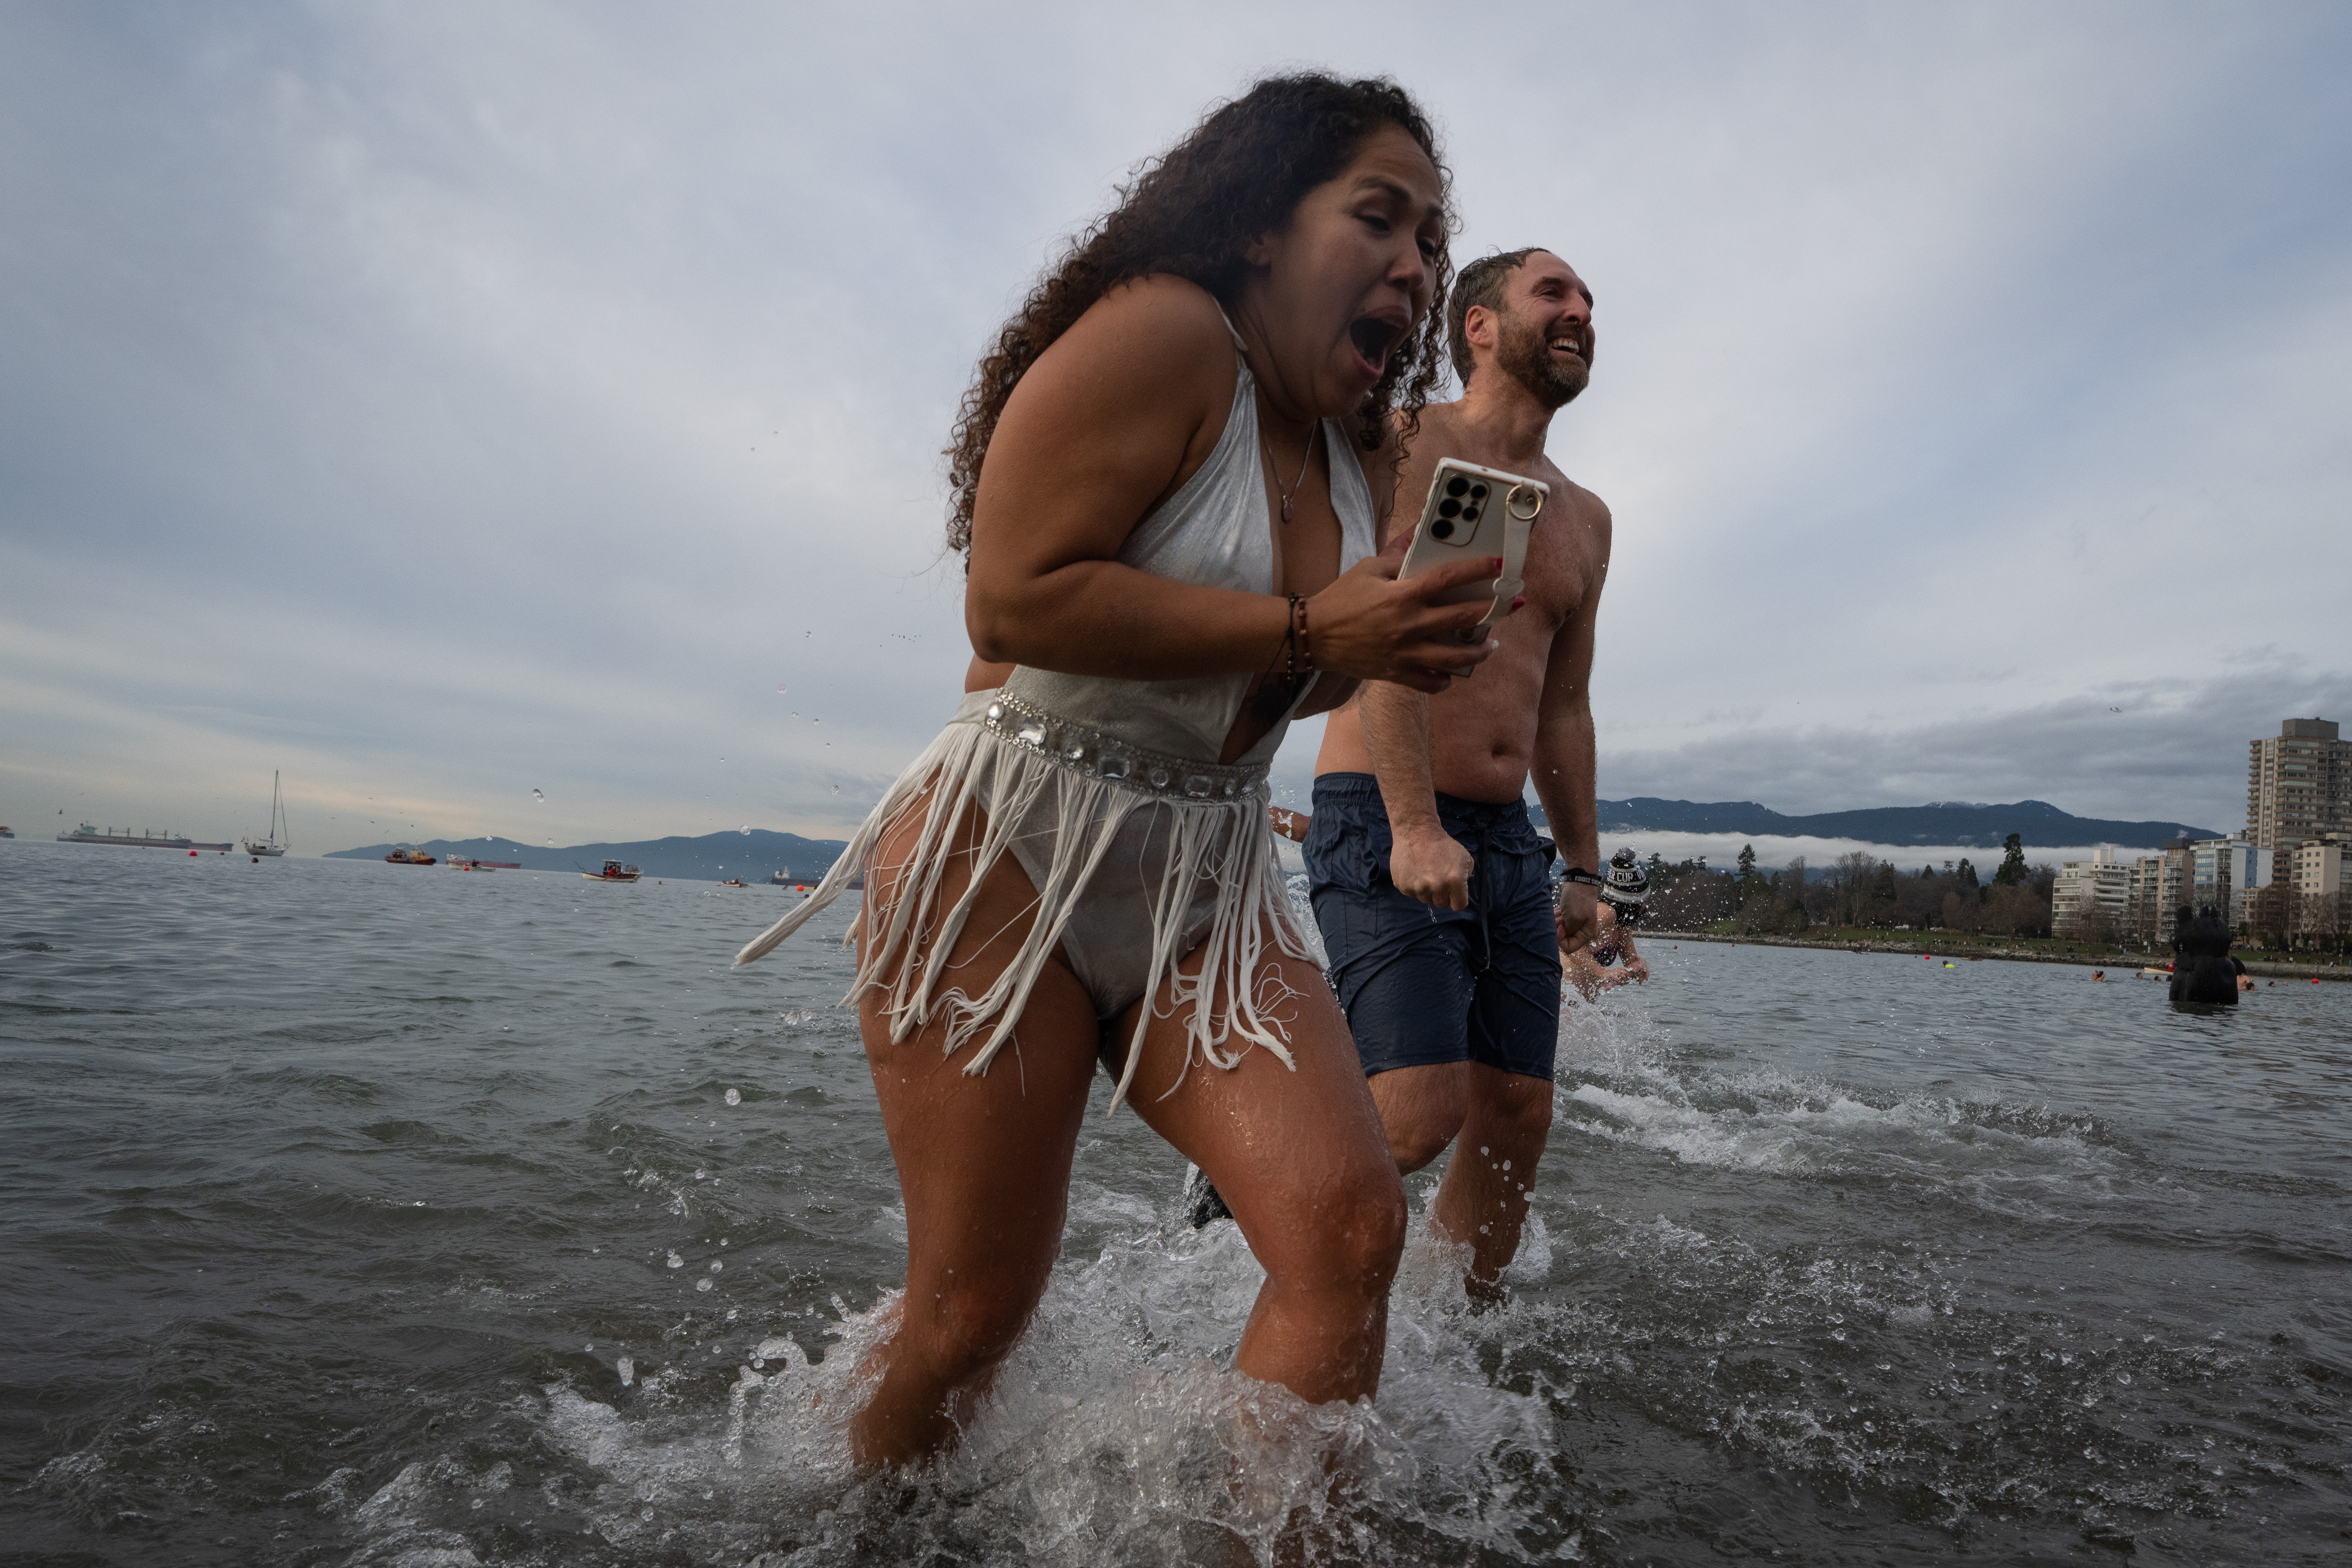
<point x="1575" y="917"/>
<point x="1428" y="864"/>
<point x="1291" y="825"/>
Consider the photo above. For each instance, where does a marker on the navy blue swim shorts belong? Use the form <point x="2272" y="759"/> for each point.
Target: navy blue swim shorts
<point x="1421" y="985"/>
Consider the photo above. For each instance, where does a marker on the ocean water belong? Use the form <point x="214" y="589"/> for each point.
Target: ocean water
<point x="382" y="1215"/>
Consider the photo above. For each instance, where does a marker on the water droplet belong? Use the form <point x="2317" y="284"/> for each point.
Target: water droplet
<point x="734" y="1096"/>
<point x="540" y="795"/>
<point x="675" y="1261"/>
<point x="703" y="1283"/>
<point x="837" y="789"/>
<point x="779" y="690"/>
<point x="745" y="830"/>
<point x="627" y="1368"/>
<point x="716" y="1267"/>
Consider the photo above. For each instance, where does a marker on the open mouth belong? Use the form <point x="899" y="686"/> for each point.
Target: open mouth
<point x="1373" y="338"/>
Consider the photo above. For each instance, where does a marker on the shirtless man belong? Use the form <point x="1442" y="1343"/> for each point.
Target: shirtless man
<point x="1429" y="882"/>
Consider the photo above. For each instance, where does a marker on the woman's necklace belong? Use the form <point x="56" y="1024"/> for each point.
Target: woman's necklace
<point x="1290" y="496"/>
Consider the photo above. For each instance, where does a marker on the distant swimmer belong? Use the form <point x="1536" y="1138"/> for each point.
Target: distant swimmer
<point x="1612" y="960"/>
<point x="1164" y="476"/>
<point x="2098" y="974"/>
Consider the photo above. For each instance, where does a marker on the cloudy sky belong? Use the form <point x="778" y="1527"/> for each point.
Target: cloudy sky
<point x="442" y="401"/>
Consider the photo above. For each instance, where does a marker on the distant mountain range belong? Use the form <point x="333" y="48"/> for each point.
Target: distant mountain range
<point x="714" y="857"/>
<point x="1960" y="824"/>
<point x="752" y="855"/>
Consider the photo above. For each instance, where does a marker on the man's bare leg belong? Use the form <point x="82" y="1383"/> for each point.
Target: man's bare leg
<point x="1499" y="1122"/>
<point x="1422" y="1109"/>
<point x="1484" y="1199"/>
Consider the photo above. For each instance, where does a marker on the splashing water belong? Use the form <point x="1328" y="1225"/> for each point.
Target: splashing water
<point x="1823" y="1263"/>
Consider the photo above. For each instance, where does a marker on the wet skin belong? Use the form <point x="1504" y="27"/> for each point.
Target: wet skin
<point x="1111" y="420"/>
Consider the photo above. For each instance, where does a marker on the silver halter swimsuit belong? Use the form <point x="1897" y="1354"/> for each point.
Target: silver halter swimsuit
<point x="1107" y="793"/>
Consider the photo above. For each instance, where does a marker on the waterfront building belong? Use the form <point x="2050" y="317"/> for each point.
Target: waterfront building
<point x="2325" y="867"/>
<point x="2298" y="786"/>
<point x="2224" y="873"/>
<point x="2160" y="885"/>
<point x="2085" y="890"/>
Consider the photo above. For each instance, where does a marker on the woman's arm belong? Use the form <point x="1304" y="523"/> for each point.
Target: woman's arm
<point x="1122" y="409"/>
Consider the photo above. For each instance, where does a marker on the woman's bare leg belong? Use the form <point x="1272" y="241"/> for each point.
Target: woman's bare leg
<point x="1300" y="1160"/>
<point x="983" y="1163"/>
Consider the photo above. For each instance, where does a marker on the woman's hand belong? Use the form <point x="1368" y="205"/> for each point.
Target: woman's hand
<point x="1372" y="625"/>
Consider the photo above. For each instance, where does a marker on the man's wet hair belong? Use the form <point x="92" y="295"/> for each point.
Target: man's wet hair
<point x="1481" y="283"/>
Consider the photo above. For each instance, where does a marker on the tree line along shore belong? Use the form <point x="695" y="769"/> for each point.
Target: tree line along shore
<point x="1859" y="900"/>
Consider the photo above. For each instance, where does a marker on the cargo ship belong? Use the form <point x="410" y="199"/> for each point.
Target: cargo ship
<point x="143" y="840"/>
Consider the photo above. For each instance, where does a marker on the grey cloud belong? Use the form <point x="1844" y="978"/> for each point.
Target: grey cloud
<point x="438" y="402"/>
<point x="2178" y="750"/>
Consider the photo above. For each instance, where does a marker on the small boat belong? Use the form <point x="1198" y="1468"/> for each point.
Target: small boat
<point x="272" y="844"/>
<point x="732" y="882"/>
<point x="455" y="864"/>
<point x="613" y="871"/>
<point x="7" y="834"/>
<point x="411" y="858"/>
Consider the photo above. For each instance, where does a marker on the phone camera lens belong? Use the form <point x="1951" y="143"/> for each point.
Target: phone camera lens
<point x="1441" y="528"/>
<point x="1470" y="514"/>
<point x="1457" y="485"/>
<point x="1448" y="508"/>
<point x="1478" y="493"/>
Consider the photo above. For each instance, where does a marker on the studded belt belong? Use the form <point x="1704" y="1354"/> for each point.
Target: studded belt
<point x="1097" y="755"/>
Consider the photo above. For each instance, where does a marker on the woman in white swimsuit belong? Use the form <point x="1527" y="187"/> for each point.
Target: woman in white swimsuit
<point x="1159" y="476"/>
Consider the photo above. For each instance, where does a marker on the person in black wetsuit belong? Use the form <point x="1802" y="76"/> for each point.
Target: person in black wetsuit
<point x="2202" y="970"/>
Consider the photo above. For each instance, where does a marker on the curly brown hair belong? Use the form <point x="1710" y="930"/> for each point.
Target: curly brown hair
<point x="1192" y="213"/>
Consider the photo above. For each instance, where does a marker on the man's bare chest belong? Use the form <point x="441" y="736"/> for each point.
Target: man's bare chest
<point x="1561" y="562"/>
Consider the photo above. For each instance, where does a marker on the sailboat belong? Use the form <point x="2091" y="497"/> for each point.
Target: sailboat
<point x="273" y="845"/>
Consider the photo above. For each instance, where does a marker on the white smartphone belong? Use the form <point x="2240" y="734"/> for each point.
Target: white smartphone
<point x="1473" y="512"/>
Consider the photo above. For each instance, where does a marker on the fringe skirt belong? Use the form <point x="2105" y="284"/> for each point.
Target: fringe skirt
<point x="1138" y="859"/>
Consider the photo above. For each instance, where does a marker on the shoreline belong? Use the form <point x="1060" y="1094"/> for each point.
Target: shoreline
<point x="2129" y="963"/>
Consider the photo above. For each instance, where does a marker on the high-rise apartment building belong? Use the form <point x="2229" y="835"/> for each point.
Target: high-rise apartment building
<point x="2159" y="885"/>
<point x="2092" y="897"/>
<point x="2226" y="872"/>
<point x="2298" y="787"/>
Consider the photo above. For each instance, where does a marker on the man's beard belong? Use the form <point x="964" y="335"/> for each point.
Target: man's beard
<point x="1523" y="356"/>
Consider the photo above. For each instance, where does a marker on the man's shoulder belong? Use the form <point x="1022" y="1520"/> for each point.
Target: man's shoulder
<point x="1573" y="497"/>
